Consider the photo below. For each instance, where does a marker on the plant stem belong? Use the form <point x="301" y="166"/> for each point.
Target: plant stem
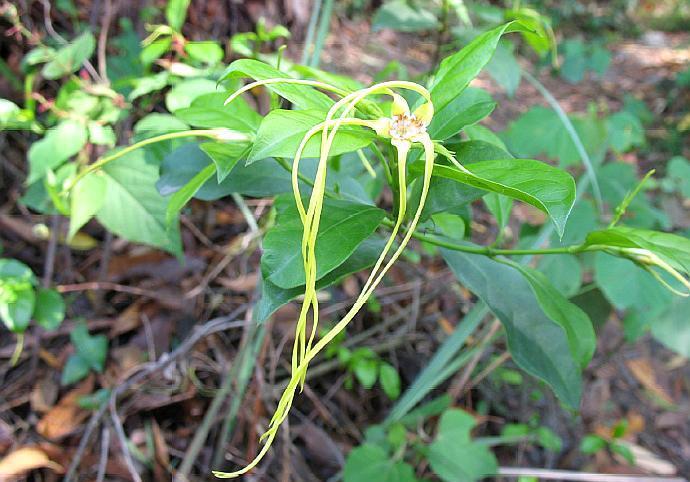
<point x="212" y="133"/>
<point x="17" y="349"/>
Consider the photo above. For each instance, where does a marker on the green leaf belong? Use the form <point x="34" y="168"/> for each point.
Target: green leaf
<point x="623" y="450"/>
<point x="478" y="132"/>
<point x="468" y="108"/>
<point x="148" y="84"/>
<point x="592" y="444"/>
<point x="281" y="132"/>
<point x="570" y="317"/>
<point x="500" y="207"/>
<point x="273" y="297"/>
<point x="574" y="61"/>
<point x="55" y="148"/>
<point x="402" y="16"/>
<point x="95" y="400"/>
<point x="549" y="440"/>
<point x="549" y="189"/>
<point x="176" y="12"/>
<point x="672" y="328"/>
<point x="17" y="271"/>
<point x="628" y="286"/>
<point x="370" y="462"/>
<point x="538" y="344"/>
<point x="225" y="155"/>
<point x="50" y="309"/>
<point x="183" y="94"/>
<point x="69" y="58"/>
<point x="91" y="349"/>
<point x="678" y="173"/>
<point x="673" y="249"/>
<point x="208" y="111"/>
<point x="101" y="134"/>
<point x="625" y="131"/>
<point x="390" y="380"/>
<point x="303" y="96"/>
<point x="133" y="208"/>
<point x="75" y="369"/>
<point x="154" y="51"/>
<point x="86" y="199"/>
<point x="453" y="456"/>
<point x="207" y="52"/>
<point x="457" y="71"/>
<point x="344" y="225"/>
<point x="186" y="193"/>
<point x="504" y="68"/>
<point x="563" y="271"/>
<point x="539" y="130"/>
<point x="17" y="303"/>
<point x="366" y="371"/>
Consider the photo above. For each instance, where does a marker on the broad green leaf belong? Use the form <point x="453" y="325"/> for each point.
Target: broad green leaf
<point x="403" y="16"/>
<point x="50" y="309"/>
<point x="74" y="370"/>
<point x="538" y="344"/>
<point x="500" y="207"/>
<point x="86" y="199"/>
<point x="281" y="132"/>
<point x="101" y="134"/>
<point x="539" y="131"/>
<point x="225" y="155"/>
<point x="563" y="271"/>
<point x="69" y="58"/>
<point x="150" y="83"/>
<point x="93" y="349"/>
<point x="155" y="50"/>
<point x="574" y="61"/>
<point x="180" y="198"/>
<point x="176" y="12"/>
<point x="673" y="249"/>
<point x="449" y="196"/>
<point x="156" y="124"/>
<point x="58" y="145"/>
<point x="541" y="185"/>
<point x="183" y="94"/>
<point x="504" y="68"/>
<point x="390" y="380"/>
<point x="570" y="317"/>
<point x="17" y="303"/>
<point x="672" y="328"/>
<point x="206" y="51"/>
<point x="208" y="111"/>
<point x="466" y="109"/>
<point x="457" y="71"/>
<point x="370" y="462"/>
<point x="678" y="173"/>
<point x="133" y="208"/>
<point x="303" y="96"/>
<point x="366" y="371"/>
<point x="18" y="271"/>
<point x="453" y="456"/>
<point x="344" y="225"/>
<point x="273" y="297"/>
<point x="625" y="131"/>
<point x="478" y="132"/>
<point x="628" y="286"/>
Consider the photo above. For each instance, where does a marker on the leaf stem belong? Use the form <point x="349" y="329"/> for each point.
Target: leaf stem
<point x="17" y="349"/>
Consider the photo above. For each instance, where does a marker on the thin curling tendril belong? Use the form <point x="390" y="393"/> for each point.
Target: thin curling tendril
<point x="404" y="128"/>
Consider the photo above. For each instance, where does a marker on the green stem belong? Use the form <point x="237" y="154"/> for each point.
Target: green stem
<point x="17" y="349"/>
<point x="212" y="133"/>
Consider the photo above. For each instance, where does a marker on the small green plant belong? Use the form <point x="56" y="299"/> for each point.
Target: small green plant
<point x="91" y="352"/>
<point x="22" y="300"/>
<point x="593" y="443"/>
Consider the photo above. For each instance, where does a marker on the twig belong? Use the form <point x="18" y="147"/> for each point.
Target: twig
<point x="107" y="285"/>
<point x="550" y="474"/>
<point x="213" y="326"/>
<point x="49" y="265"/>
<point x="103" y="38"/>
<point x="105" y="448"/>
<point x="122" y="436"/>
<point x="486" y="371"/>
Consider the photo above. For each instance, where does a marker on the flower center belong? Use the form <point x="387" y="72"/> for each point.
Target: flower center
<point x="406" y="126"/>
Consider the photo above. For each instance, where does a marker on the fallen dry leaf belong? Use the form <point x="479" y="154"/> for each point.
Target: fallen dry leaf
<point x="644" y="373"/>
<point x="44" y="395"/>
<point x="65" y="417"/>
<point x="21" y="461"/>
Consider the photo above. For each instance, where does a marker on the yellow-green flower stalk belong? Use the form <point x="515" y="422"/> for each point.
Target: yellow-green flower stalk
<point x="403" y="129"/>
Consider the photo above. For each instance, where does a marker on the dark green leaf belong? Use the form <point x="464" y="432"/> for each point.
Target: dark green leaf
<point x="303" y="96"/>
<point x="186" y="193"/>
<point x="50" y="309"/>
<point x="281" y="132"/>
<point x="458" y="70"/>
<point x="273" y="297"/>
<point x="344" y="225"/>
<point x="538" y="344"/>
<point x="225" y="155"/>
<point x="76" y="368"/>
<point x="371" y="462"/>
<point x="91" y="349"/>
<point x="545" y="187"/>
<point x="403" y="16"/>
<point x="672" y="328"/>
<point x="453" y="456"/>
<point x="69" y="58"/>
<point x="208" y="111"/>
<point x="563" y="271"/>
<point x="471" y="106"/>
